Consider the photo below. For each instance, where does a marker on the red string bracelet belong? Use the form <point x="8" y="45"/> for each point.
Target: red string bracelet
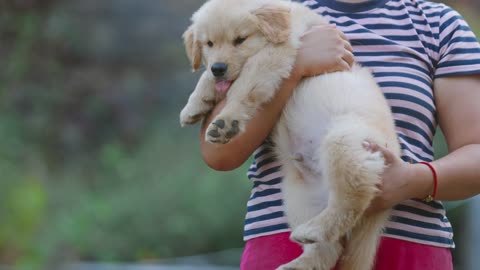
<point x="431" y="197"/>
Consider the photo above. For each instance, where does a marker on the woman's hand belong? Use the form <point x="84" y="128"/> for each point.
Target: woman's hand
<point x="324" y="49"/>
<point x="400" y="181"/>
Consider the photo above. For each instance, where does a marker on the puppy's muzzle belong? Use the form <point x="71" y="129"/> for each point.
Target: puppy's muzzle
<point x="219" y="69"/>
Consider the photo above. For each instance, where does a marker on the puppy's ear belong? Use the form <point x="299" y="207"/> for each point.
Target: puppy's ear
<point x="273" y="22"/>
<point x="193" y="48"/>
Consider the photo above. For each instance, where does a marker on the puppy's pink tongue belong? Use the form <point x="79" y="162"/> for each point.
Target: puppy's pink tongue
<point x="223" y="86"/>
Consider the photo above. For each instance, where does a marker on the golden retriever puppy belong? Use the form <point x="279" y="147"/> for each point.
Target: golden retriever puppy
<point x="248" y="47"/>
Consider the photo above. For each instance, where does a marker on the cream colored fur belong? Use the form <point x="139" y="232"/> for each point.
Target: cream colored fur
<point x="330" y="179"/>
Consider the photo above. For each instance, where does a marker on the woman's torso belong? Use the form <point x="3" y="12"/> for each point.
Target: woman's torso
<point x="406" y="44"/>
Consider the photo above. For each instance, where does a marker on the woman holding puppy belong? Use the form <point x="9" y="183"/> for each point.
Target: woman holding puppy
<point x="426" y="60"/>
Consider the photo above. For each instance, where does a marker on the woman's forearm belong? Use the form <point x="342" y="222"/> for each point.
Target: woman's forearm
<point x="458" y="176"/>
<point x="459" y="173"/>
<point x="225" y="157"/>
<point x="457" y="112"/>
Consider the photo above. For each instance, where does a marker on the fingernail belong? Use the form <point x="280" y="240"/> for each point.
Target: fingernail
<point x="366" y="145"/>
<point x="306" y="33"/>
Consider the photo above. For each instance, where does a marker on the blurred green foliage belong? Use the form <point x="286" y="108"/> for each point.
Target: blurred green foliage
<point x="93" y="165"/>
<point x="156" y="202"/>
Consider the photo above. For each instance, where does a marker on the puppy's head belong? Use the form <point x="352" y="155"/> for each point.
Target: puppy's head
<point x="225" y="33"/>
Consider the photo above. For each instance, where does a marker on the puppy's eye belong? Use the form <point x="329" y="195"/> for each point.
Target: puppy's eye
<point x="239" y="40"/>
<point x="210" y="44"/>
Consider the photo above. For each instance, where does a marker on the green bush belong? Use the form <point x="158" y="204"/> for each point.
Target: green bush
<point x="161" y="201"/>
<point x="158" y="202"/>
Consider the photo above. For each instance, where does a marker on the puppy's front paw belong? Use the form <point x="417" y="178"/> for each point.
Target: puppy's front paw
<point x="193" y="113"/>
<point x="189" y="119"/>
<point x="222" y="130"/>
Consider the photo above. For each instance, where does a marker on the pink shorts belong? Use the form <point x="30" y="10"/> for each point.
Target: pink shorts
<point x="269" y="252"/>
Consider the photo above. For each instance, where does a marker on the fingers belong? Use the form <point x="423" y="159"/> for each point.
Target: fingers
<point x="370" y="146"/>
<point x="349" y="50"/>
<point x="324" y="49"/>
<point x="344" y="65"/>
<point x="348" y="57"/>
<point x="342" y="35"/>
<point x="373" y="147"/>
<point x="347" y="46"/>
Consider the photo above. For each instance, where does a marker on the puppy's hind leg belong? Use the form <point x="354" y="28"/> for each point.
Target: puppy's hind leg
<point x="361" y="247"/>
<point x="316" y="256"/>
<point x="353" y="174"/>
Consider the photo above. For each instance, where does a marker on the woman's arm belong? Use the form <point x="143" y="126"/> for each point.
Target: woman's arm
<point x="458" y="111"/>
<point x="324" y="49"/>
<point x="225" y="157"/>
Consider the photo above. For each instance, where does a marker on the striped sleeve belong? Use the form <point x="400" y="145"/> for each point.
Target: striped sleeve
<point x="459" y="49"/>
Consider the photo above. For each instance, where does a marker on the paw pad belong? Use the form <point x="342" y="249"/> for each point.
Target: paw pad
<point x="221" y="130"/>
<point x="214" y="133"/>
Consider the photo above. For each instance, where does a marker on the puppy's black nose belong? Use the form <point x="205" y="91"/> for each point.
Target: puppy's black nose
<point x="219" y="69"/>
